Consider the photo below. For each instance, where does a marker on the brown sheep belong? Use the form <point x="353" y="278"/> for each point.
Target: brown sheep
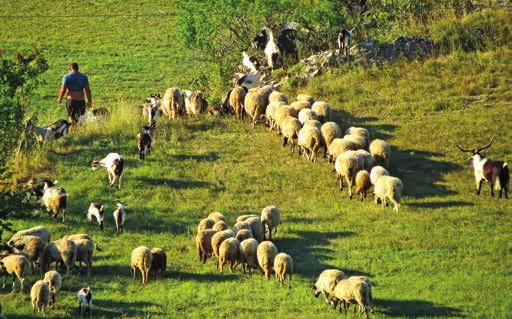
<point x="220" y="226"/>
<point x="363" y="183"/>
<point x="236" y="101"/>
<point x="141" y="259"/>
<point x="283" y="265"/>
<point x="290" y="129"/>
<point x="330" y="131"/>
<point x="229" y="251"/>
<point x="217" y="240"/>
<point x="159" y="262"/>
<point x="256" y="102"/>
<point x="249" y="254"/>
<point x="266" y="253"/>
<point x="204" y="244"/>
<point x="17" y="266"/>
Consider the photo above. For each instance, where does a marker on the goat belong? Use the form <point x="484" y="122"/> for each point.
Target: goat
<point x="96" y="212"/>
<point x="250" y="63"/>
<point x="144" y="140"/>
<point x="84" y="300"/>
<point x="344" y="42"/>
<point x="266" y="41"/>
<point x="47" y="133"/>
<point x="120" y="216"/>
<point x="95" y="115"/>
<point x="250" y="80"/>
<point x="55" y="200"/>
<point x="153" y="107"/>
<point x="35" y="186"/>
<point x="495" y="173"/>
<point x="114" y="164"/>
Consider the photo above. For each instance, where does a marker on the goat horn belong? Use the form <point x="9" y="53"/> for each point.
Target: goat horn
<point x="486" y="146"/>
<point x="463" y="149"/>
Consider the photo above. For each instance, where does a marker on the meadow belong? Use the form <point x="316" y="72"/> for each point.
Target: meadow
<point x="446" y="254"/>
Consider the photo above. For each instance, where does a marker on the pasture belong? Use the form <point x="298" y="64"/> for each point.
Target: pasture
<point x="447" y="253"/>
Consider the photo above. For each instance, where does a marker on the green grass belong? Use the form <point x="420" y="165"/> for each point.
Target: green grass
<point x="446" y="254"/>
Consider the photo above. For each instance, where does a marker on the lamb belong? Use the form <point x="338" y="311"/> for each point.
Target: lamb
<point x="159" y="262"/>
<point x="270" y="218"/>
<point x="281" y="114"/>
<point x="322" y="110"/>
<point x="326" y="283"/>
<point x="243" y="234"/>
<point x="363" y="183"/>
<point x="300" y="105"/>
<point x="229" y="251"/>
<point x="388" y="188"/>
<point x="204" y="244"/>
<point x="248" y="252"/>
<point x="236" y="100"/>
<point x="330" y="131"/>
<point x="38" y="231"/>
<point x="174" y="103"/>
<point x="144" y="141"/>
<point x="309" y="140"/>
<point x="62" y="251"/>
<point x="220" y="226"/>
<point x="306" y="98"/>
<point x="256" y="101"/>
<point x="54" y="280"/>
<point x="376" y="172"/>
<point x="216" y="216"/>
<point x="204" y="224"/>
<point x="40" y="296"/>
<point x="256" y="228"/>
<point x="120" y="216"/>
<point x="17" y="266"/>
<point x="30" y="246"/>
<point x="307" y="114"/>
<point x="96" y="213"/>
<point x="339" y="146"/>
<point x="380" y="151"/>
<point x="141" y="259"/>
<point x="283" y="265"/>
<point x="84" y="296"/>
<point x="114" y="164"/>
<point x="290" y="129"/>
<point x="266" y="253"/>
<point x="359" y="131"/>
<point x="276" y="96"/>
<point x="55" y="200"/>
<point x="217" y="240"/>
<point x="195" y="104"/>
<point x="353" y="291"/>
<point x="47" y="133"/>
<point x="347" y="165"/>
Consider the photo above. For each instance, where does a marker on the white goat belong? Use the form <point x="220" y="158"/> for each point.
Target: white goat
<point x="250" y="63"/>
<point x="114" y="164"/>
<point x="96" y="212"/>
<point x="120" y="216"/>
<point x="153" y="107"/>
<point x="271" y="49"/>
<point x="84" y="300"/>
<point x="47" y="133"/>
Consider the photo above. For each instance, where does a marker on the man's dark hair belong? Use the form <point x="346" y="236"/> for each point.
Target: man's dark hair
<point x="74" y="66"/>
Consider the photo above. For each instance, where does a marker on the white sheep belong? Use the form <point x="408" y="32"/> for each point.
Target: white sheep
<point x="309" y="140"/>
<point x="353" y="291"/>
<point x="270" y="218"/>
<point x="141" y="259"/>
<point x="306" y="98"/>
<point x="38" y="231"/>
<point x="96" y="213"/>
<point x="326" y="283"/>
<point x="388" y="188"/>
<point x="330" y="131"/>
<point x="17" y="266"/>
<point x="229" y="251"/>
<point x="54" y="280"/>
<point x="266" y="253"/>
<point x="347" y="165"/>
<point x="322" y="111"/>
<point x="339" y="146"/>
<point x="380" y="151"/>
<point x="40" y="296"/>
<point x="114" y="164"/>
<point x="290" y="129"/>
<point x="249" y="254"/>
<point x="283" y="266"/>
<point x="376" y="172"/>
<point x="307" y="114"/>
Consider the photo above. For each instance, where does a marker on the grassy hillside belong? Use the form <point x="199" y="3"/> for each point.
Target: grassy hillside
<point x="446" y="254"/>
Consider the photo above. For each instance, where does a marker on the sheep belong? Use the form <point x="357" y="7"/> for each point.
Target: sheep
<point x="366" y="159"/>
<point x="84" y="252"/>
<point x="256" y="101"/>
<point x="359" y="141"/>
<point x="229" y="251"/>
<point x="77" y="237"/>
<point x="54" y="280"/>
<point x="242" y="225"/>
<point x="309" y="140"/>
<point x="141" y="259"/>
<point x="216" y="216"/>
<point x="243" y="234"/>
<point x="35" y="186"/>
<point x="243" y="218"/>
<point x="300" y="105"/>
<point x="367" y="281"/>
<point x="306" y="98"/>
<point x="330" y="131"/>
<point x="363" y="183"/>
<point x="376" y="172"/>
<point x="313" y="123"/>
<point x="220" y="226"/>
<point x="266" y="253"/>
<point x="270" y="218"/>
<point x="236" y="100"/>
<point x="120" y="216"/>
<point x="381" y="152"/>
<point x="204" y="244"/>
<point x="276" y="96"/>
<point x="322" y="110"/>
<point x="144" y="141"/>
<point x="347" y="165"/>
<point x="256" y="228"/>
<point x="114" y="164"/>
<point x="290" y="129"/>
<point x="39" y="231"/>
<point x="40" y="296"/>
<point x="195" y="104"/>
<point x="326" y="283"/>
<point x="17" y="266"/>
<point x="283" y="266"/>
<point x="217" y="240"/>
<point x="353" y="291"/>
<point x="62" y="251"/>
<point x="96" y="212"/>
<point x="339" y="146"/>
<point x="359" y="131"/>
<point x="281" y="113"/>
<point x="248" y="252"/>
<point x="174" y="103"/>
<point x="31" y="247"/>
<point x="84" y="297"/>
<point x="206" y="223"/>
<point x="55" y="200"/>
<point x="159" y="262"/>
<point x="47" y="133"/>
<point x="388" y="188"/>
<point x="307" y="114"/>
<point x="270" y="114"/>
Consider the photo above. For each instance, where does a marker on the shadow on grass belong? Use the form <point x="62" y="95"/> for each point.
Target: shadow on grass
<point x="114" y="309"/>
<point x="208" y="157"/>
<point x="173" y="183"/>
<point x="415" y="308"/>
<point x="433" y="205"/>
<point x="207" y="278"/>
<point x="307" y="251"/>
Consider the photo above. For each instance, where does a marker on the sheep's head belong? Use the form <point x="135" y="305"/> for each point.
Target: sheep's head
<point x="316" y="292"/>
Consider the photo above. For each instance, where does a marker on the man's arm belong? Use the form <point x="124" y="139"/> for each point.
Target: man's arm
<point x="63" y="90"/>
<point x="88" y="95"/>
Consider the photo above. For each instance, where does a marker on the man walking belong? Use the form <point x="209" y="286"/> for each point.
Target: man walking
<point x="75" y="84"/>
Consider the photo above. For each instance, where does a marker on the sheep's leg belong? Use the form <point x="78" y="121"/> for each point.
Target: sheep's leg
<point x="341" y="182"/>
<point x="492" y="188"/>
<point x="479" y="186"/>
